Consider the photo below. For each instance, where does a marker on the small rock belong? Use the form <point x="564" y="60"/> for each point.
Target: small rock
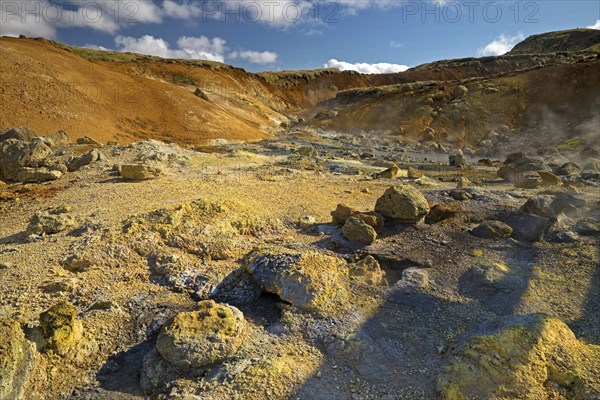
<point x="368" y="271"/>
<point x="568" y="169"/>
<point x="414" y="173"/>
<point x="307" y="151"/>
<point x="88" y="140"/>
<point x="307" y="221"/>
<point x="492" y="230"/>
<point x="139" y="172"/>
<point x="341" y="214"/>
<point x="414" y="278"/>
<point x="84" y="160"/>
<point x="442" y="211"/>
<point x="461" y="195"/>
<point x="308" y="279"/>
<point x="76" y="263"/>
<point x="528" y="180"/>
<point x="199" y="93"/>
<point x="389" y="173"/>
<point x="549" y="179"/>
<point x="457" y="160"/>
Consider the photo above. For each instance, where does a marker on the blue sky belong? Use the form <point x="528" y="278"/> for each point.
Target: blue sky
<point x="366" y="35"/>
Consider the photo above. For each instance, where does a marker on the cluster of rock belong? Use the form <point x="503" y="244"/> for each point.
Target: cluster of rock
<point x="552" y="215"/>
<point x="27" y="158"/>
<point x="530" y="172"/>
<point x="401" y="204"/>
<point x="60" y="332"/>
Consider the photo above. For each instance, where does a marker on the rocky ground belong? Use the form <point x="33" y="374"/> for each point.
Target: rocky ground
<point x="312" y="265"/>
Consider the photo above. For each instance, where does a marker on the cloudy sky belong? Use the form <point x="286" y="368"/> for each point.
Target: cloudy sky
<point x="366" y="35"/>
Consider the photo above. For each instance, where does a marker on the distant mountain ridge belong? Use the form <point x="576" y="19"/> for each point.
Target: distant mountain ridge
<point x="48" y="86"/>
<point x="552" y="42"/>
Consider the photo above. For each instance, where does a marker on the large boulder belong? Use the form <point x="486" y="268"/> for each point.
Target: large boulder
<point x="60" y="138"/>
<point x="518" y="166"/>
<point x="403" y="203"/>
<point x="521" y="357"/>
<point x="16" y="155"/>
<point x="528" y="180"/>
<point x="306" y="278"/>
<point x="551" y="205"/>
<point x="61" y="329"/>
<point x="358" y="231"/>
<point x="209" y="335"/>
<point x="528" y="227"/>
<point x="16" y="359"/>
<point x="37" y="175"/>
<point x="19" y="133"/>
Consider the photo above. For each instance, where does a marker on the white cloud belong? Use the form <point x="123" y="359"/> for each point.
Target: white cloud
<point x="203" y="48"/>
<point x="16" y="21"/>
<point x="183" y="10"/>
<point x="396" y="45"/>
<point x="43" y="17"/>
<point x="502" y="45"/>
<point x="365" y="68"/>
<point x="190" y="47"/>
<point x="200" y="48"/>
<point x="595" y="26"/>
<point x="256" y="57"/>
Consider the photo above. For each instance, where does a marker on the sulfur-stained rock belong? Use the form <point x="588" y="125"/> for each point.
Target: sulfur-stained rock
<point x="306" y="278"/>
<point x="139" y="172"/>
<point x="371" y="218"/>
<point x="61" y="329"/>
<point x="521" y="356"/>
<point x="368" y="271"/>
<point x="443" y="211"/>
<point x="341" y="214"/>
<point x="211" y="334"/>
<point x="549" y="179"/>
<point x="358" y="231"/>
<point x="403" y="203"/>
<point x="389" y="173"/>
<point x="50" y="222"/>
<point x="16" y="359"/>
<point x="414" y="173"/>
<point x="528" y="180"/>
